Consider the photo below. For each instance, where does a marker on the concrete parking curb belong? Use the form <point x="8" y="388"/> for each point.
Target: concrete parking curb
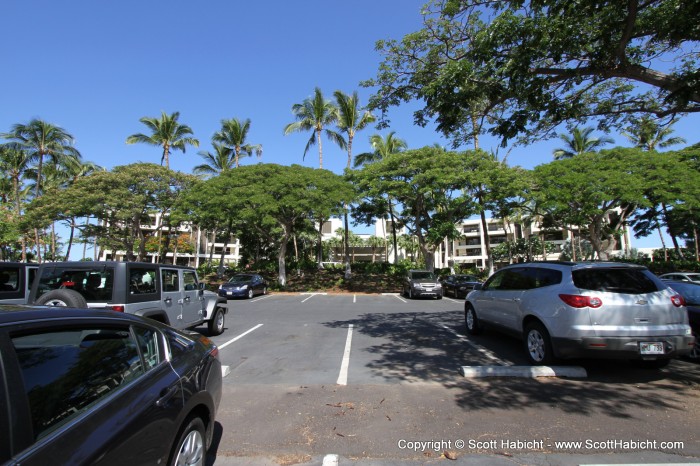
<point x="524" y="371"/>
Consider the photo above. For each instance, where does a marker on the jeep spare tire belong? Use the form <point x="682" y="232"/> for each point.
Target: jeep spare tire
<point x="62" y="297"/>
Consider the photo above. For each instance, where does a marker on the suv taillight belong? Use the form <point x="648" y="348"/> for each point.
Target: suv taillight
<point x="580" y="301"/>
<point x="678" y="300"/>
<point x="118" y="308"/>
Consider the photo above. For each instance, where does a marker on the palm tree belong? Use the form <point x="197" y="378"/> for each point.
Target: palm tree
<point x="351" y="118"/>
<point x="14" y="162"/>
<point x="41" y="139"/>
<point x="647" y="134"/>
<point x="390" y="144"/>
<point x="579" y="143"/>
<point x="216" y="163"/>
<point x="167" y="133"/>
<point x="314" y="114"/>
<point x="233" y="135"/>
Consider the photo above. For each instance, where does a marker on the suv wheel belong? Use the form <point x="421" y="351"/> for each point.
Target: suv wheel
<point x="189" y="449"/>
<point x="62" y="297"/>
<point x="538" y="344"/>
<point x="471" y="321"/>
<point x="217" y="322"/>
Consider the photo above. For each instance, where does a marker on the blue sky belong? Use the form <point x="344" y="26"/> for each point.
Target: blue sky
<point x="96" y="67"/>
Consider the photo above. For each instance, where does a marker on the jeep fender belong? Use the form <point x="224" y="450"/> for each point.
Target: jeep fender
<point x="155" y="314"/>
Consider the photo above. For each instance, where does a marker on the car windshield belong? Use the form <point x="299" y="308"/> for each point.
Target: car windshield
<point x="689" y="291"/>
<point x="422" y="275"/>
<point x="240" y="279"/>
<point x="614" y="280"/>
<point x="466" y="278"/>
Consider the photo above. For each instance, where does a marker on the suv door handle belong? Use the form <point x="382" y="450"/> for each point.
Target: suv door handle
<point x="168" y="300"/>
<point x="165" y="396"/>
<point x="187" y="299"/>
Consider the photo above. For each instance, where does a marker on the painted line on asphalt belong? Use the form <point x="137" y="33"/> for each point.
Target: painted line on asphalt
<point x="343" y="376"/>
<point x="524" y="371"/>
<point x="354" y="298"/>
<point x="312" y="295"/>
<point x="395" y="295"/>
<point x="239" y="336"/>
<point x="260" y="298"/>
<point x="453" y="300"/>
<point x="478" y="348"/>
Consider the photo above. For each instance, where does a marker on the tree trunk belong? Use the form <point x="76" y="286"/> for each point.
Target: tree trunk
<point x="393" y="232"/>
<point x="70" y="238"/>
<point x="348" y="271"/>
<point x="281" y="261"/>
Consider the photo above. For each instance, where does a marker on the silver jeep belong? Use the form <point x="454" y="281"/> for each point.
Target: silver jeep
<point x="166" y="293"/>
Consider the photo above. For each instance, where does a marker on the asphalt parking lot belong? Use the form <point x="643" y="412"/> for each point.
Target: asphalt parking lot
<point x="379" y="379"/>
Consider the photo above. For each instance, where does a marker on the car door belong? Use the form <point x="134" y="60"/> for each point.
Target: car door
<point x="505" y="297"/>
<point x="100" y="394"/>
<point x="193" y="300"/>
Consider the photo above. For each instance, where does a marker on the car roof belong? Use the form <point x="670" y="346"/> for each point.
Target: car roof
<point x="92" y="264"/>
<point x="14" y="313"/>
<point x="579" y="264"/>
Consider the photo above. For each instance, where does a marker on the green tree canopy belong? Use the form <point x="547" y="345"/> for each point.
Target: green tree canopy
<point x="274" y="200"/>
<point x="525" y="67"/>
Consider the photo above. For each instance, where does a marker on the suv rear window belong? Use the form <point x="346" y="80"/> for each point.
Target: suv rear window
<point x="614" y="280"/>
<point x="94" y="285"/>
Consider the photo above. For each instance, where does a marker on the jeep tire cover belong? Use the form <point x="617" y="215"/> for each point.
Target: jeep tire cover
<point x="62" y="297"/>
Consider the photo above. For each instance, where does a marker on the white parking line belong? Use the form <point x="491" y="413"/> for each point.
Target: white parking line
<point x="486" y="353"/>
<point x="395" y="295"/>
<point x="239" y="336"/>
<point x="312" y="295"/>
<point x="260" y="298"/>
<point x="343" y="376"/>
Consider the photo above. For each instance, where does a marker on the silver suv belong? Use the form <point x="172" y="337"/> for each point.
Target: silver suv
<point x="167" y="293"/>
<point x="419" y="283"/>
<point x="567" y="310"/>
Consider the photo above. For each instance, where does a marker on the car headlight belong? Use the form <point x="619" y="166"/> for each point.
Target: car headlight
<point x="438" y="286"/>
<point x="221" y="287"/>
<point x="244" y="287"/>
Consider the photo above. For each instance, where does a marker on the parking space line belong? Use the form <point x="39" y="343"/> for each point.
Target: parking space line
<point x="239" y="336"/>
<point x="260" y="298"/>
<point x="312" y="295"/>
<point x="395" y="295"/>
<point x="486" y="353"/>
<point x="343" y="376"/>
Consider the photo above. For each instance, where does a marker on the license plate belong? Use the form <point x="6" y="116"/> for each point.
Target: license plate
<point x="651" y="347"/>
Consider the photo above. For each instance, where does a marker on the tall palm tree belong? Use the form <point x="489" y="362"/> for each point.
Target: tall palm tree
<point x="314" y="114"/>
<point x="351" y="118"/>
<point x="220" y="161"/>
<point x="382" y="146"/>
<point x="579" y="143"/>
<point x="167" y="133"/>
<point x="41" y="139"/>
<point x="647" y="134"/>
<point x="14" y="162"/>
<point x="233" y="135"/>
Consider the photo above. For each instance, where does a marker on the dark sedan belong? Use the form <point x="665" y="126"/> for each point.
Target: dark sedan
<point x="459" y="285"/>
<point x="691" y="294"/>
<point x="105" y="388"/>
<point x="243" y="285"/>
